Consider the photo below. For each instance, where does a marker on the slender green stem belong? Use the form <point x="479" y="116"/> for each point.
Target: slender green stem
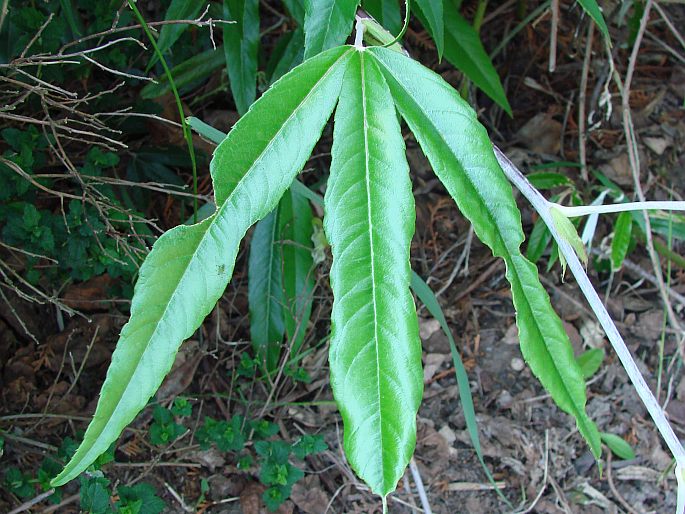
<point x="480" y="14"/>
<point x="186" y="129"/>
<point x="407" y="13"/>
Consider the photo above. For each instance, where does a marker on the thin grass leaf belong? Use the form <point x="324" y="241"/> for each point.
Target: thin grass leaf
<point x="427" y="297"/>
<point x="465" y="51"/>
<point x="197" y="68"/>
<point x="178" y="10"/>
<point x="592" y="8"/>
<point x="241" y="41"/>
<point x="296" y="246"/>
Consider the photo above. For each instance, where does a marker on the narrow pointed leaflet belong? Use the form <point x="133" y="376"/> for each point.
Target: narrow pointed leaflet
<point x="461" y="155"/>
<point x="375" y="353"/>
<point x="189" y="266"/>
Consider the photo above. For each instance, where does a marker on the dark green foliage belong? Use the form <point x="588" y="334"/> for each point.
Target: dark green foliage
<point x="164" y="430"/>
<point x="139" y="499"/>
<point x="226" y="435"/>
<point x="95" y="495"/>
<point x="19" y="483"/>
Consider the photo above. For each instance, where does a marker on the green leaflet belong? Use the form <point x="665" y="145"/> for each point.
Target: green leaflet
<point x="265" y="292"/>
<point x="280" y="278"/>
<point x="197" y="67"/>
<point x="189" y="266"/>
<point x="568" y="231"/>
<point x="296" y="9"/>
<point x="178" y="10"/>
<point x="375" y="353"/>
<point x="434" y="20"/>
<point x="623" y="230"/>
<point x="465" y="51"/>
<point x="288" y="53"/>
<point x="461" y="155"/>
<point x="592" y="8"/>
<point x="387" y="12"/>
<point x="296" y="246"/>
<point x="241" y="41"/>
<point x="327" y="23"/>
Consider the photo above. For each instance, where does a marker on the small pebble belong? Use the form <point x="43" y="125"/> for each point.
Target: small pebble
<point x="517" y="364"/>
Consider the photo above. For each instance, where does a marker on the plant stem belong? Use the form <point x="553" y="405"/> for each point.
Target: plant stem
<point x="186" y="129"/>
<point x="584" y="210"/>
<point x="542" y="206"/>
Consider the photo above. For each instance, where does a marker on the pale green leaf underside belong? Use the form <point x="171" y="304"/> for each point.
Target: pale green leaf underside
<point x="461" y="155"/>
<point x="189" y="266"/>
<point x="327" y="23"/>
<point x="375" y="353"/>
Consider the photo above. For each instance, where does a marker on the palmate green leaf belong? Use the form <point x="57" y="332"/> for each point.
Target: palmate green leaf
<point x="241" y="41"/>
<point x="433" y="19"/>
<point x="327" y="23"/>
<point x="265" y="292"/>
<point x="295" y="231"/>
<point x="189" y="266"/>
<point x="461" y="155"/>
<point x="375" y="353"/>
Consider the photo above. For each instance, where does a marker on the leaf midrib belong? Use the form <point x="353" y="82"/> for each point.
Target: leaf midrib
<point x="502" y="241"/>
<point x="367" y="183"/>
<point x="218" y="215"/>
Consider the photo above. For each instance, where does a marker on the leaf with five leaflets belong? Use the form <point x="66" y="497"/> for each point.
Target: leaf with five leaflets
<point x="241" y="41"/>
<point x="375" y="353"/>
<point x="461" y="155"/>
<point x="189" y="266"/>
<point x="327" y="23"/>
